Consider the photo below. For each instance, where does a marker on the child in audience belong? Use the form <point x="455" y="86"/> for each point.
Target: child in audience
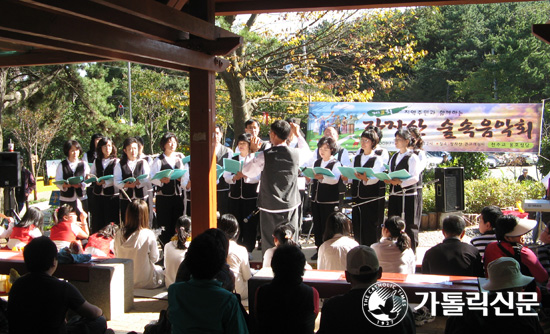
<point x="487" y="221"/>
<point x="102" y="243"/>
<point x="237" y="256"/>
<point x="394" y="249"/>
<point x="175" y="250"/>
<point x="137" y="242"/>
<point x="68" y="228"/>
<point x="21" y="233"/>
<point x="282" y="235"/>
<point x="333" y="252"/>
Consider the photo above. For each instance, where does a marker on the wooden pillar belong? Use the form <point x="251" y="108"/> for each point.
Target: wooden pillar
<point x="202" y="105"/>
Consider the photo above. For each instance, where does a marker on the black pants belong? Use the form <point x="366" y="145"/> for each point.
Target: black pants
<point x="241" y="209"/>
<point x="105" y="211"/>
<point x="169" y="209"/>
<point x="366" y="220"/>
<point x="223" y="202"/>
<point x="320" y="213"/>
<point x="411" y="224"/>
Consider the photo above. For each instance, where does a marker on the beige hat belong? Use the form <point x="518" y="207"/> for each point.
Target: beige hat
<point x="504" y="273"/>
<point x="362" y="260"/>
<point x="523" y="226"/>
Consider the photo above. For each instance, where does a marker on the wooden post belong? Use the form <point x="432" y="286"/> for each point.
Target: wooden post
<point x="202" y="105"/>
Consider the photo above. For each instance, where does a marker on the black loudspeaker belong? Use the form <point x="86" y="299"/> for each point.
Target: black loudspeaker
<point x="10" y="169"/>
<point x="449" y="189"/>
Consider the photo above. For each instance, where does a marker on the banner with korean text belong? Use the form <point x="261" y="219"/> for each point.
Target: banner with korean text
<point x="453" y="127"/>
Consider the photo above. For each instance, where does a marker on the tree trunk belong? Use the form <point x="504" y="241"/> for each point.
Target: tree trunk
<point x="237" y="92"/>
<point x="3" y="88"/>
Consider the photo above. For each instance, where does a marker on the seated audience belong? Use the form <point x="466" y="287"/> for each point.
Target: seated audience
<point x="337" y="243"/>
<point x="175" y="250"/>
<point x="504" y="277"/>
<point x="102" y="243"/>
<point x="452" y="256"/>
<point x="510" y="231"/>
<point x="38" y="302"/>
<point x="68" y="228"/>
<point x="543" y="252"/>
<point x="237" y="256"/>
<point x="344" y="314"/>
<point x="282" y="235"/>
<point x="137" y="242"/>
<point x="287" y="305"/>
<point x="21" y="233"/>
<point x="394" y="250"/>
<point x="487" y="221"/>
<point x="201" y="305"/>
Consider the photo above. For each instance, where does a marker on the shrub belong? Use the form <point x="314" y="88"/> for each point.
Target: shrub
<point x="480" y="193"/>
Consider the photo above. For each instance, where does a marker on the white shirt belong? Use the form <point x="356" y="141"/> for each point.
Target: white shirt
<point x="385" y="154"/>
<point x="333" y="253"/>
<point x="171" y="160"/>
<point x="34" y="233"/>
<point x="413" y="168"/>
<point x="104" y="163"/>
<point x="392" y="260"/>
<point x="59" y="177"/>
<point x="422" y="159"/>
<point x="329" y="179"/>
<point x="268" y="256"/>
<point x="378" y="166"/>
<point x="141" y="247"/>
<point x="228" y="176"/>
<point x="145" y="183"/>
<point x="237" y="259"/>
<point x="344" y="160"/>
<point x="173" y="257"/>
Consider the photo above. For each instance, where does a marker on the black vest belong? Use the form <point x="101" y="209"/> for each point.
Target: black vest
<point x="67" y="173"/>
<point x="172" y="187"/>
<point x="358" y="189"/>
<point x="279" y="188"/>
<point x="100" y="172"/>
<point x="324" y="193"/>
<point x="126" y="173"/>
<point x="403" y="164"/>
<point x="242" y="189"/>
<point x="223" y="153"/>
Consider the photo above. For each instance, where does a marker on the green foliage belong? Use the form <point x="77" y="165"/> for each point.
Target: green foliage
<point x="491" y="191"/>
<point x="473" y="163"/>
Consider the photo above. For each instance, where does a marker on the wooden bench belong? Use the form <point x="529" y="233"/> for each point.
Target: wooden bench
<point x="107" y="283"/>
<point x="332" y="283"/>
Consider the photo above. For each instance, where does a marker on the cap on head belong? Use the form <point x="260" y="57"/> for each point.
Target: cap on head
<point x="362" y="260"/>
<point x="504" y="273"/>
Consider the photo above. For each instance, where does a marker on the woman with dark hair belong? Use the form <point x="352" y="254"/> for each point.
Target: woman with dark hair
<point x="417" y="148"/>
<point x="243" y="196"/>
<point x="21" y="233"/>
<point x="68" y="168"/>
<point x="131" y="166"/>
<point x="90" y="155"/>
<point x="287" y="305"/>
<point x="324" y="189"/>
<point x="137" y="242"/>
<point x="369" y="214"/>
<point x="405" y="192"/>
<point x="509" y="232"/>
<point x="282" y="235"/>
<point x="201" y="305"/>
<point x="106" y="194"/>
<point x="237" y="256"/>
<point x="169" y="193"/>
<point x="333" y="252"/>
<point x="394" y="249"/>
<point x="175" y="250"/>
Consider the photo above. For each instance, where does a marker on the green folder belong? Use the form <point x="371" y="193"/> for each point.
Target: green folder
<point x="91" y="179"/>
<point x="308" y="172"/>
<point x="232" y="166"/>
<point x="323" y="171"/>
<point x="348" y="172"/>
<point x="134" y="179"/>
<point x="162" y="174"/>
<point x="177" y="173"/>
<point x="105" y="178"/>
<point x="219" y="171"/>
<point x="363" y="170"/>
<point x="186" y="160"/>
<point x="72" y="180"/>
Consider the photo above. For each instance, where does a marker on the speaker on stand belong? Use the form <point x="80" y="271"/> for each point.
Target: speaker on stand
<point x="10" y="177"/>
<point x="449" y="190"/>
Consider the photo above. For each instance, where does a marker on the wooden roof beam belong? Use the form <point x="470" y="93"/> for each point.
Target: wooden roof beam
<point x="21" y="18"/>
<point x="542" y="32"/>
<point x="176" y="4"/>
<point x="46" y="57"/>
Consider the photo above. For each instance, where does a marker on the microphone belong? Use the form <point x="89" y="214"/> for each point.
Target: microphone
<point x="252" y="214"/>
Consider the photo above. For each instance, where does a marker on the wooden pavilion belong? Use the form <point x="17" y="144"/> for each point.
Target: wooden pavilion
<point x="175" y="34"/>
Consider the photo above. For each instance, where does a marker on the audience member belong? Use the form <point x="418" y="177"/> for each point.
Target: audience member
<point x="287" y="305"/>
<point x="344" y="313"/>
<point x="137" y="242"/>
<point x="487" y="223"/>
<point x="21" y="233"/>
<point x="237" y="256"/>
<point x="505" y="277"/>
<point x="333" y="252"/>
<point x="38" y="302"/>
<point x="201" y="305"/>
<point x="394" y="249"/>
<point x="282" y="235"/>
<point x="68" y="228"/>
<point x="175" y="250"/>
<point x="510" y="231"/>
<point x="452" y="256"/>
<point x="102" y="243"/>
<point x="543" y="252"/>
